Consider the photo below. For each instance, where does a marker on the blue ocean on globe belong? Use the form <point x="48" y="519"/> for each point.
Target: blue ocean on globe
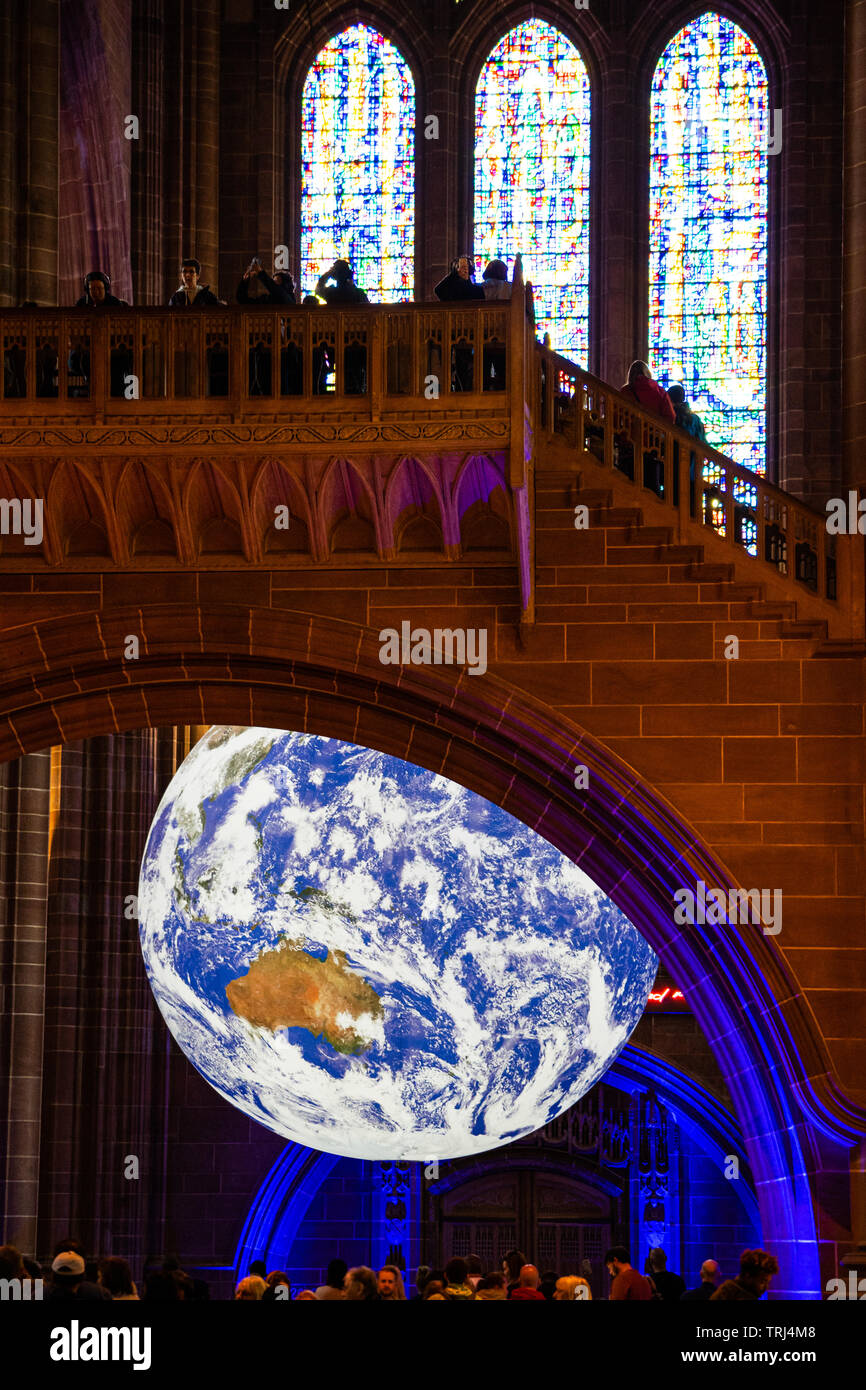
<point x="371" y="960"/>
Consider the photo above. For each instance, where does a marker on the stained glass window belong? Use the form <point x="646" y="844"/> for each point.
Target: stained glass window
<point x="532" y="128"/>
<point x="708" y="231"/>
<point x="358" y="158"/>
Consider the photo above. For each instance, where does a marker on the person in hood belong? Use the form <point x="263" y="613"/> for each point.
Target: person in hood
<point x="190" y="294"/>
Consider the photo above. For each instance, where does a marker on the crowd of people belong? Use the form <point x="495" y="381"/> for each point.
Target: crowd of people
<point x="72" y="1276"/>
<point x="336" y="288"/>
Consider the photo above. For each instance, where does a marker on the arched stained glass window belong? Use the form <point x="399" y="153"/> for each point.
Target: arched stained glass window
<point x="532" y="129"/>
<point x="358" y="157"/>
<point x="708" y="231"/>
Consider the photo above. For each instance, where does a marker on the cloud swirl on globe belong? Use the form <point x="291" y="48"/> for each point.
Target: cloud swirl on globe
<point x="371" y="960"/>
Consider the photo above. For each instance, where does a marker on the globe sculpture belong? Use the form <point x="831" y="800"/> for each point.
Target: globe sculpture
<point x="371" y="960"/>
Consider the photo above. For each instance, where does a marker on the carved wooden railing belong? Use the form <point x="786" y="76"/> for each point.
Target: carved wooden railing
<point x="699" y="484"/>
<point x="413" y="361"/>
<point x="321" y="361"/>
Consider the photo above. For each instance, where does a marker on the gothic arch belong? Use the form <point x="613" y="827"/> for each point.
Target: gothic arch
<point x="243" y="664"/>
<point x="649" y="36"/>
<point x="294" y="53"/>
<point x="472" y="44"/>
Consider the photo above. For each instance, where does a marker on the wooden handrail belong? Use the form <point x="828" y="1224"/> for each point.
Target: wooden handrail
<point x="705" y="486"/>
<point x="410" y="360"/>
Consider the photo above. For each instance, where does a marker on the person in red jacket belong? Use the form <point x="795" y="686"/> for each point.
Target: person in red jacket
<point x="528" y="1285"/>
<point x="628" y="1285"/>
<point x="648" y="393"/>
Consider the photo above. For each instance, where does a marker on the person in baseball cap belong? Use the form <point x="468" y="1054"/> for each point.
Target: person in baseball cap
<point x="68" y="1281"/>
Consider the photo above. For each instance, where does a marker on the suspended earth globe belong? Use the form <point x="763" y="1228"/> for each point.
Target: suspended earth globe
<point x="371" y="960"/>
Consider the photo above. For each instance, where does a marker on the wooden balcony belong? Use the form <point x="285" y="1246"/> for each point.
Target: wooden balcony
<point x="389" y="379"/>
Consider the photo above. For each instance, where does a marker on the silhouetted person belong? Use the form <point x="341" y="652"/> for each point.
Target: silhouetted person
<point x="686" y="418"/>
<point x="334" y="1281"/>
<point x="422" y="1274"/>
<point x="344" y="293"/>
<point x="459" y="283"/>
<point x="670" y="1286"/>
<point x="457" y="1286"/>
<point x="710" y="1278"/>
<point x="495" y="281"/>
<point x="322" y="363"/>
<point x="115" y="1275"/>
<point x="757" y="1268"/>
<point x="648" y="393"/>
<point x="258" y="287"/>
<point x="496" y="286"/>
<point x="344" y="290"/>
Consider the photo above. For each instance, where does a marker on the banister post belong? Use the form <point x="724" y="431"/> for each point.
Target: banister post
<point x="520" y="444"/>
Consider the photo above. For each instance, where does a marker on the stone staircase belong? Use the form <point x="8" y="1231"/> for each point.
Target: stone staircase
<point x="632" y="575"/>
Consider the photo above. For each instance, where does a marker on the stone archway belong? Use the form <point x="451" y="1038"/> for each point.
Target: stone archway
<point x="252" y="666"/>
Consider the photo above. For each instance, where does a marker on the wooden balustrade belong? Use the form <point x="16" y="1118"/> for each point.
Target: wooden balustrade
<point x="135" y="361"/>
<point x="697" y="482"/>
<point x="405" y="360"/>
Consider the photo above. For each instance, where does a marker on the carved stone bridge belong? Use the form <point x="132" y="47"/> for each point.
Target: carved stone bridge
<point x="736" y="765"/>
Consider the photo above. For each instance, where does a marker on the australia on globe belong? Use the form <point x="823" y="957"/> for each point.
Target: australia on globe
<point x="371" y="960"/>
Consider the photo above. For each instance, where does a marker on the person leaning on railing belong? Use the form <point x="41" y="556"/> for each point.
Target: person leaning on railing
<point x="649" y="395"/>
<point x="654" y="399"/>
<point x="686" y="418"/>
<point x="191" y="295"/>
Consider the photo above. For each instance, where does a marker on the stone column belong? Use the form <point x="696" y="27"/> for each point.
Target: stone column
<point x="148" y="89"/>
<point x="25" y="795"/>
<point x="854" y="250"/>
<point x="203" y="190"/>
<point x="36" y="81"/>
<point x="8" y="162"/>
<point x="438" y="161"/>
<point x="618" y="303"/>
